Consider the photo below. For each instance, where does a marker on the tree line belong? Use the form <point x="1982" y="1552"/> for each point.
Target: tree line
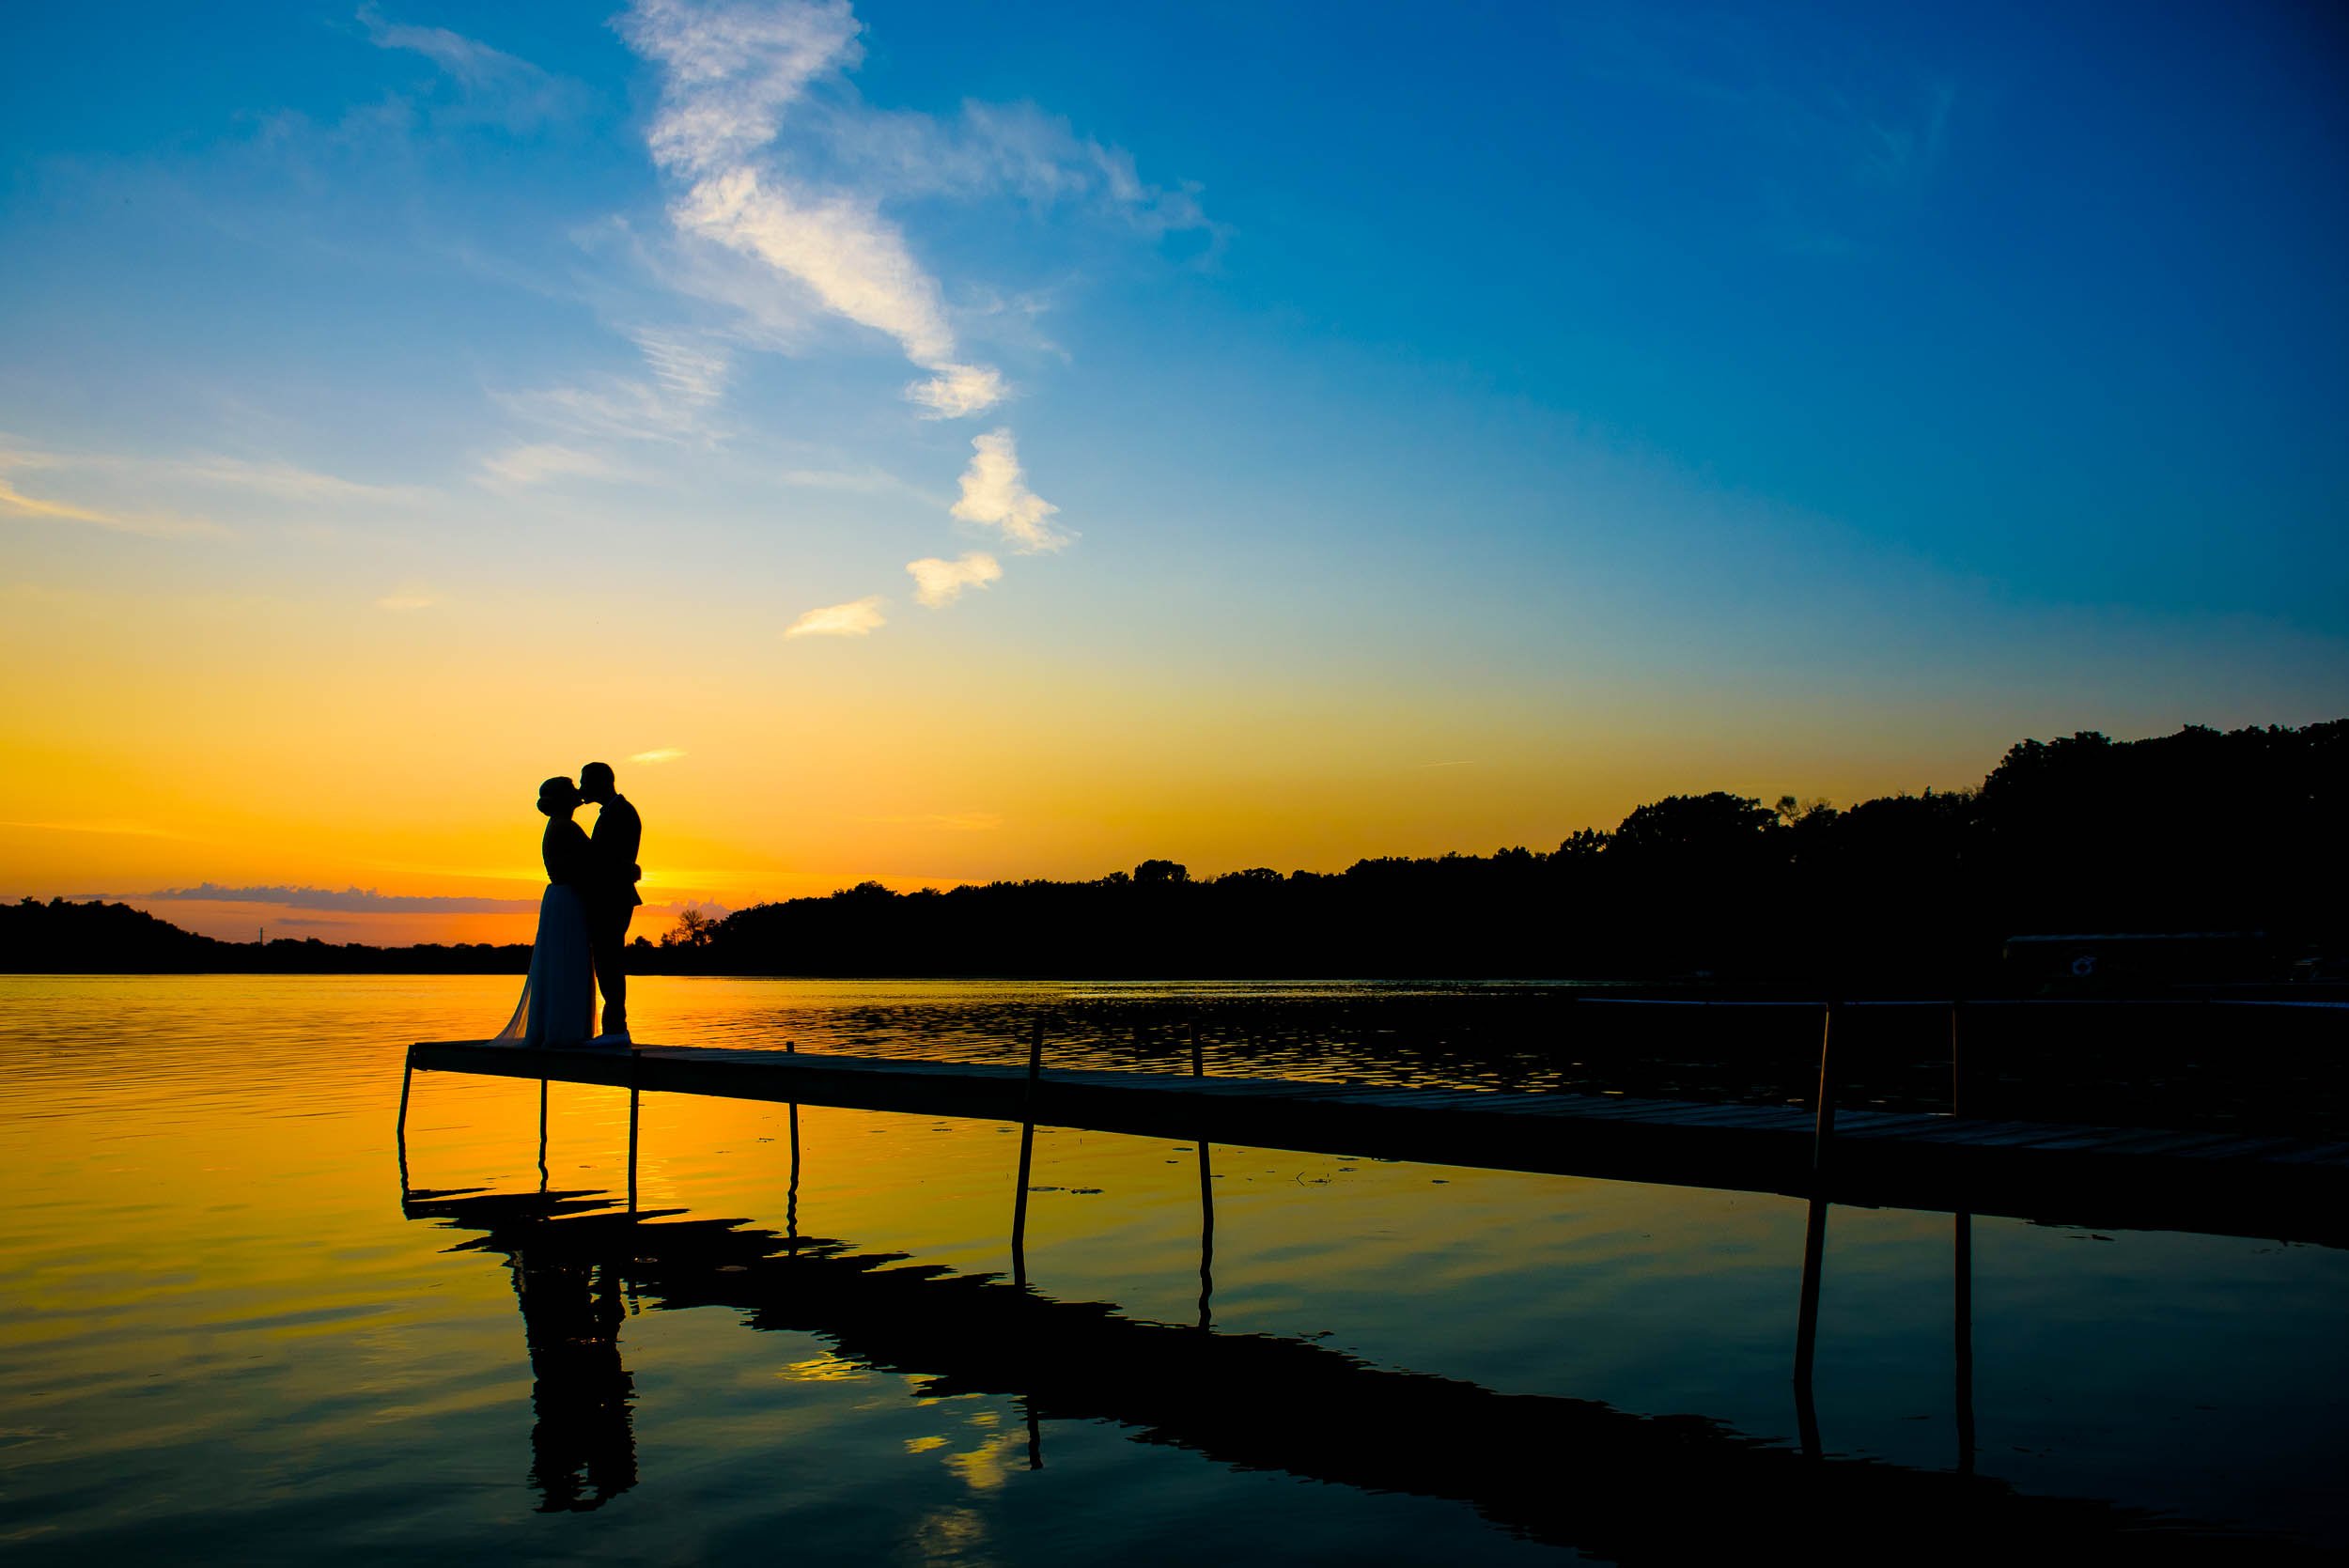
<point x="2243" y="832"/>
<point x="2202" y="831"/>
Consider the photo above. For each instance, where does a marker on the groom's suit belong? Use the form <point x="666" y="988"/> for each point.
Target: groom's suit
<point x="610" y="899"/>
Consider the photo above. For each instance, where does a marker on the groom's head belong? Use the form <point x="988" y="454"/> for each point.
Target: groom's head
<point x="596" y="782"/>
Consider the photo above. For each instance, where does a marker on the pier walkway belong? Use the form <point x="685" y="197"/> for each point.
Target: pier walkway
<point x="2145" y="1178"/>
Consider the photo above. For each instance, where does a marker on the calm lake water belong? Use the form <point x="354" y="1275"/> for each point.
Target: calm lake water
<point x="232" y="1334"/>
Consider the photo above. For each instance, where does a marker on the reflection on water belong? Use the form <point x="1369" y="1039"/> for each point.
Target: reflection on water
<point x="1563" y="1470"/>
<point x="582" y="1450"/>
<point x="233" y="1334"/>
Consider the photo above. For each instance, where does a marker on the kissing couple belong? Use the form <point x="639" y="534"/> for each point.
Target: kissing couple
<point x="583" y="918"/>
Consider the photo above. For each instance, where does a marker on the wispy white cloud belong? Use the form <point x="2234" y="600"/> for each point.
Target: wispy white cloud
<point x="730" y="74"/>
<point x="856" y="618"/>
<point x="856" y="264"/>
<point x="538" y="462"/>
<point x="995" y="493"/>
<point x="153" y="525"/>
<point x="867" y="481"/>
<point x="939" y="583"/>
<point x="175" y="477"/>
<point x="733" y="69"/>
<point x="657" y="754"/>
<point x="692" y="370"/>
<point x="685" y="375"/>
<point x="491" y="84"/>
<point x="1013" y="149"/>
<point x="284" y="481"/>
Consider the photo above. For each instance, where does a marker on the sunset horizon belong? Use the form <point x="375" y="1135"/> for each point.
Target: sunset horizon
<point x="1054" y="784"/>
<point x="921" y="452"/>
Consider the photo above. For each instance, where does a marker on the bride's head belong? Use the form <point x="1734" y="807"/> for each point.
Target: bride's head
<point x="558" y="796"/>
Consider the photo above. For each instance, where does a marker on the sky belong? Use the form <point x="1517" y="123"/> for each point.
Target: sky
<point x="935" y="442"/>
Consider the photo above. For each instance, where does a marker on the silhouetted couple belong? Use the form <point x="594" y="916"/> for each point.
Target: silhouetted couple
<point x="583" y="918"/>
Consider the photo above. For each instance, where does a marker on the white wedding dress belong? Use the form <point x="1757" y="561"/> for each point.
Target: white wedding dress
<point x="558" y="1002"/>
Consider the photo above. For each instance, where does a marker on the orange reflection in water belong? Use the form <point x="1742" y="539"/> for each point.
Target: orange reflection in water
<point x="219" y="1311"/>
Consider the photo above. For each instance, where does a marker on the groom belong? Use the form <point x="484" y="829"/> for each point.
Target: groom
<point x="611" y="894"/>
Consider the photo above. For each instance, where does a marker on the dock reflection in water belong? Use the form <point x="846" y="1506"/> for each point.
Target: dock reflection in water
<point x="225" y="1343"/>
<point x="1561" y="1470"/>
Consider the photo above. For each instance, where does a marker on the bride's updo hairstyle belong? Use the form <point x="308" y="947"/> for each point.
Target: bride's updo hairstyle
<point x="558" y="796"/>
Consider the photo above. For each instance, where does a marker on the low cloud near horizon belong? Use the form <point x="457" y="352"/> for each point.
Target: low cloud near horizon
<point x="347" y="900"/>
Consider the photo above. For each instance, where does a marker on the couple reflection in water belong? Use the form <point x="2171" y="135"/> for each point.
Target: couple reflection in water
<point x="582" y="944"/>
<point x="582" y="1444"/>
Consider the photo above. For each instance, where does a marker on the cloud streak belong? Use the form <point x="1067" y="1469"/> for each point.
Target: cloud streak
<point x="856" y="618"/>
<point x="236" y="477"/>
<point x="15" y="503"/>
<point x="542" y="462"/>
<point x="492" y="84"/>
<point x="729" y="75"/>
<point x="347" y="900"/>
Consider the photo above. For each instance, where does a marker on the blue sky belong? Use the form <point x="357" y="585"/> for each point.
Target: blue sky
<point x="1889" y="383"/>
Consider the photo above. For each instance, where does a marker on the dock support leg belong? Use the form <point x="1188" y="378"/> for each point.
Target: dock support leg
<point x="1958" y="1068"/>
<point x="1206" y="1239"/>
<point x="400" y="1128"/>
<point x="1807" y="1324"/>
<point x="1964" y="1334"/>
<point x="1824" y="1128"/>
<point x="1020" y="1209"/>
<point x="1027" y="1156"/>
<point x="634" y="1099"/>
<point x="542" y="1135"/>
<point x="791" y="1197"/>
<point x="1207" y="1205"/>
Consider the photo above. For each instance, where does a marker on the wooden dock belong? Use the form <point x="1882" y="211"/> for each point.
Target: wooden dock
<point x="2213" y="1182"/>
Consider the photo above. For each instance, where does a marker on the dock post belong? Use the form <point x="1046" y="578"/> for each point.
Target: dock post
<point x="1825" y="1127"/>
<point x="1807" y="1323"/>
<point x="400" y="1128"/>
<point x="542" y="1135"/>
<point x="632" y="1099"/>
<point x="791" y="1197"/>
<point x="1206" y="1200"/>
<point x="1206" y="1239"/>
<point x="1965" y="1331"/>
<point x="1027" y="1153"/>
<point x="1958" y="1068"/>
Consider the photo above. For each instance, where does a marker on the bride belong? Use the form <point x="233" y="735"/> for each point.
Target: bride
<point x="558" y="1002"/>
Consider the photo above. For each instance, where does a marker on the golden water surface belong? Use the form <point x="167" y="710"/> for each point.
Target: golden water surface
<point x="233" y="1332"/>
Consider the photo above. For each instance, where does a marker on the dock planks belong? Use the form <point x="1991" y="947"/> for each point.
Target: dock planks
<point x="2133" y="1177"/>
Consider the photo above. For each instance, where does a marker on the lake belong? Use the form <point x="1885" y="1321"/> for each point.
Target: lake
<point x="233" y="1330"/>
